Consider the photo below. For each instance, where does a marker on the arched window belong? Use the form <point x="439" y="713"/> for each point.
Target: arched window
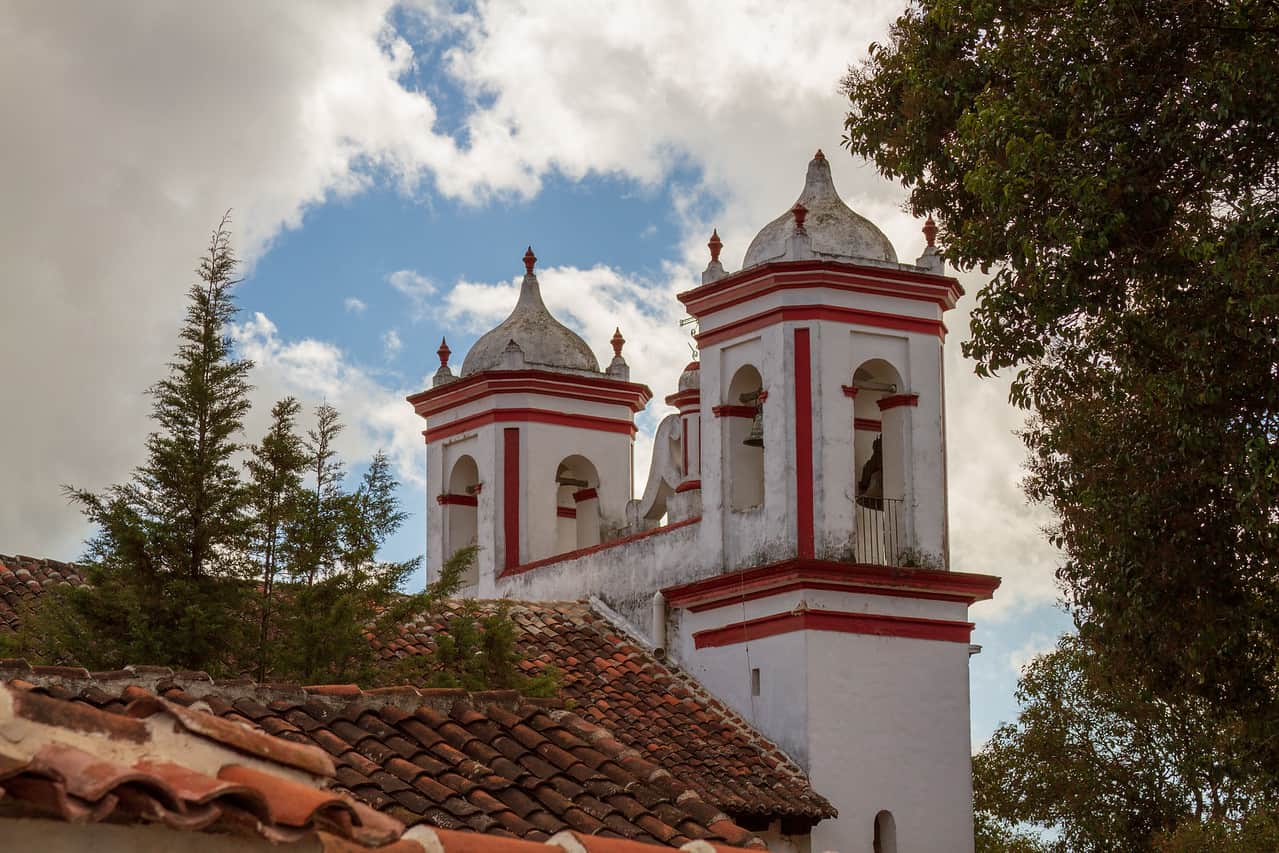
<point x="878" y="459"/>
<point x="744" y="441"/>
<point x="461" y="507"/>
<point x="577" y="504"/>
<point x="885" y="839"/>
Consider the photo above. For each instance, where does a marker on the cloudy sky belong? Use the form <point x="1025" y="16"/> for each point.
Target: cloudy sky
<point x="386" y="165"/>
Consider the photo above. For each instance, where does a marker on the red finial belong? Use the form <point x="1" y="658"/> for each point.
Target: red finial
<point x="930" y="231"/>
<point x="617" y="342"/>
<point x="529" y="260"/>
<point x="715" y="245"/>
<point x="800" y="213"/>
<point x="819" y="155"/>
<point x="444" y="352"/>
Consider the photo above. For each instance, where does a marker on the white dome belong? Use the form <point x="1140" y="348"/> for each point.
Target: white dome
<point x="544" y="342"/>
<point x="836" y="232"/>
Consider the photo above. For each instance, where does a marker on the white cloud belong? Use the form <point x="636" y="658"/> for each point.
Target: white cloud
<point x="118" y="163"/>
<point x="354" y="305"/>
<point x="375" y="415"/>
<point x="416" y="287"/>
<point x="391" y="343"/>
<point x="1036" y="645"/>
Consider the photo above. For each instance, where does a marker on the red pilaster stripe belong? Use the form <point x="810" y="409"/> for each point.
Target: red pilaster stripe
<point x="537" y="416"/>
<point x="868" y="424"/>
<point x="511" y="496"/>
<point x="886" y="403"/>
<point x="836" y="621"/>
<point x="804" y="441"/>
<point x="457" y="500"/>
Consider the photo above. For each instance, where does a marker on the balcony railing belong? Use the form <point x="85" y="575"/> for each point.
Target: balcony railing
<point x="881" y="531"/>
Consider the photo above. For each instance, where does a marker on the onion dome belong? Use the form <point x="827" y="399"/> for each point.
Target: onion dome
<point x="836" y="232"/>
<point x="546" y="343"/>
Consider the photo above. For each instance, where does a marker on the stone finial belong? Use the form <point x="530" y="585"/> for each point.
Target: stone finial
<point x="800" y="213"/>
<point x="618" y="369"/>
<point x="443" y="375"/>
<point x="819" y="155"/>
<point x="444" y="352"/>
<point x="618" y="342"/>
<point x="530" y="260"/>
<point x="930" y="231"/>
<point x="715" y="245"/>
<point x="931" y="259"/>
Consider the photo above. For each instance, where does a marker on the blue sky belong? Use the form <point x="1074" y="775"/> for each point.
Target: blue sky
<point x="387" y="164"/>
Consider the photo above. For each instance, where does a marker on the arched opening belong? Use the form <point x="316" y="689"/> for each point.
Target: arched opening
<point x="878" y="475"/>
<point x="744" y="439"/>
<point x="461" y="512"/>
<point x="577" y="504"/>
<point x="885" y="838"/>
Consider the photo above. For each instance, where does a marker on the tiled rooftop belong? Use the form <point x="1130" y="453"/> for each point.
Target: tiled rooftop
<point x="651" y="707"/>
<point x="24" y="579"/>
<point x="494" y="762"/>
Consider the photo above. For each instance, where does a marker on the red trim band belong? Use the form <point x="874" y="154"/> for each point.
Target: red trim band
<point x="804" y="442"/>
<point x="457" y="500"/>
<point x="595" y="389"/>
<point x="829" y="313"/>
<point x="731" y="411"/>
<point x="886" y="403"/>
<point x="871" y="624"/>
<point x="943" y="291"/>
<point x="849" y="390"/>
<point x="868" y="424"/>
<point x="688" y="486"/>
<point x="594" y="549"/>
<point x="586" y="494"/>
<point x="565" y="512"/>
<point x="689" y="398"/>
<point x="931" y="584"/>
<point x="539" y="416"/>
<point x="511" y="496"/>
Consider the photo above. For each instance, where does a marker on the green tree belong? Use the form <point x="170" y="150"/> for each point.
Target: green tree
<point x="167" y="541"/>
<point x="315" y="536"/>
<point x="273" y="497"/>
<point x="1108" y="765"/>
<point x="1117" y="165"/>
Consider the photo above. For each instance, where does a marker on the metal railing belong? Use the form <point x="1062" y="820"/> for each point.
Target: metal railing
<point x="881" y="530"/>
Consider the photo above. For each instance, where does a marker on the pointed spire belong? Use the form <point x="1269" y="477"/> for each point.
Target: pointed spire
<point x="618" y="342"/>
<point x="715" y="245"/>
<point x="930" y="231"/>
<point x="444" y="352"/>
<point x="529" y="260"/>
<point x="819" y="155"/>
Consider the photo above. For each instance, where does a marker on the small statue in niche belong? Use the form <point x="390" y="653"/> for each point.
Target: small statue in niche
<point x="870" y="486"/>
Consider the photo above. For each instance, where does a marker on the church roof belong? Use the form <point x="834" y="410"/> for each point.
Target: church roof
<point x="837" y="233"/>
<point x="541" y="340"/>
<point x="631" y="747"/>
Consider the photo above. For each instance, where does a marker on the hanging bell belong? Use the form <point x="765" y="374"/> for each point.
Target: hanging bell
<point x="755" y="438"/>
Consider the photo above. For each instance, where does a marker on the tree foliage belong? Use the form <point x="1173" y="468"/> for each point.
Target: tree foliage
<point x="166" y="557"/>
<point x="1109" y="766"/>
<point x="1117" y="165"/>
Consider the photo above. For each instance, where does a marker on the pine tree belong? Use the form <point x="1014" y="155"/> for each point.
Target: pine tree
<point x="167" y="540"/>
<point x="317" y="530"/>
<point x="274" y="497"/>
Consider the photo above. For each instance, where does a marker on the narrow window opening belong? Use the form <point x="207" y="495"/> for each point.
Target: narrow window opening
<point x="755" y="681"/>
<point x="885" y="840"/>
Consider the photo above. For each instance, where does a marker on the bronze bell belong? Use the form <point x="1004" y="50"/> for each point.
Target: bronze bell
<point x="756" y="436"/>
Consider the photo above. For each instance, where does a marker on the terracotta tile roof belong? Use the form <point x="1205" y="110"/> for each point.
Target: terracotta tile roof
<point x="645" y="705"/>
<point x="650" y="706"/>
<point x="156" y="762"/>
<point x="24" y="579"/>
<point x="494" y="762"/>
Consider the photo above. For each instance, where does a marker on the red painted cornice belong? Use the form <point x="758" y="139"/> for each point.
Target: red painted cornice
<point x="838" y="621"/>
<point x="689" y="398"/>
<point x="536" y="416"/>
<point x="750" y="584"/>
<point x="829" y="313"/>
<point x="594" y="389"/>
<point x="752" y="283"/>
